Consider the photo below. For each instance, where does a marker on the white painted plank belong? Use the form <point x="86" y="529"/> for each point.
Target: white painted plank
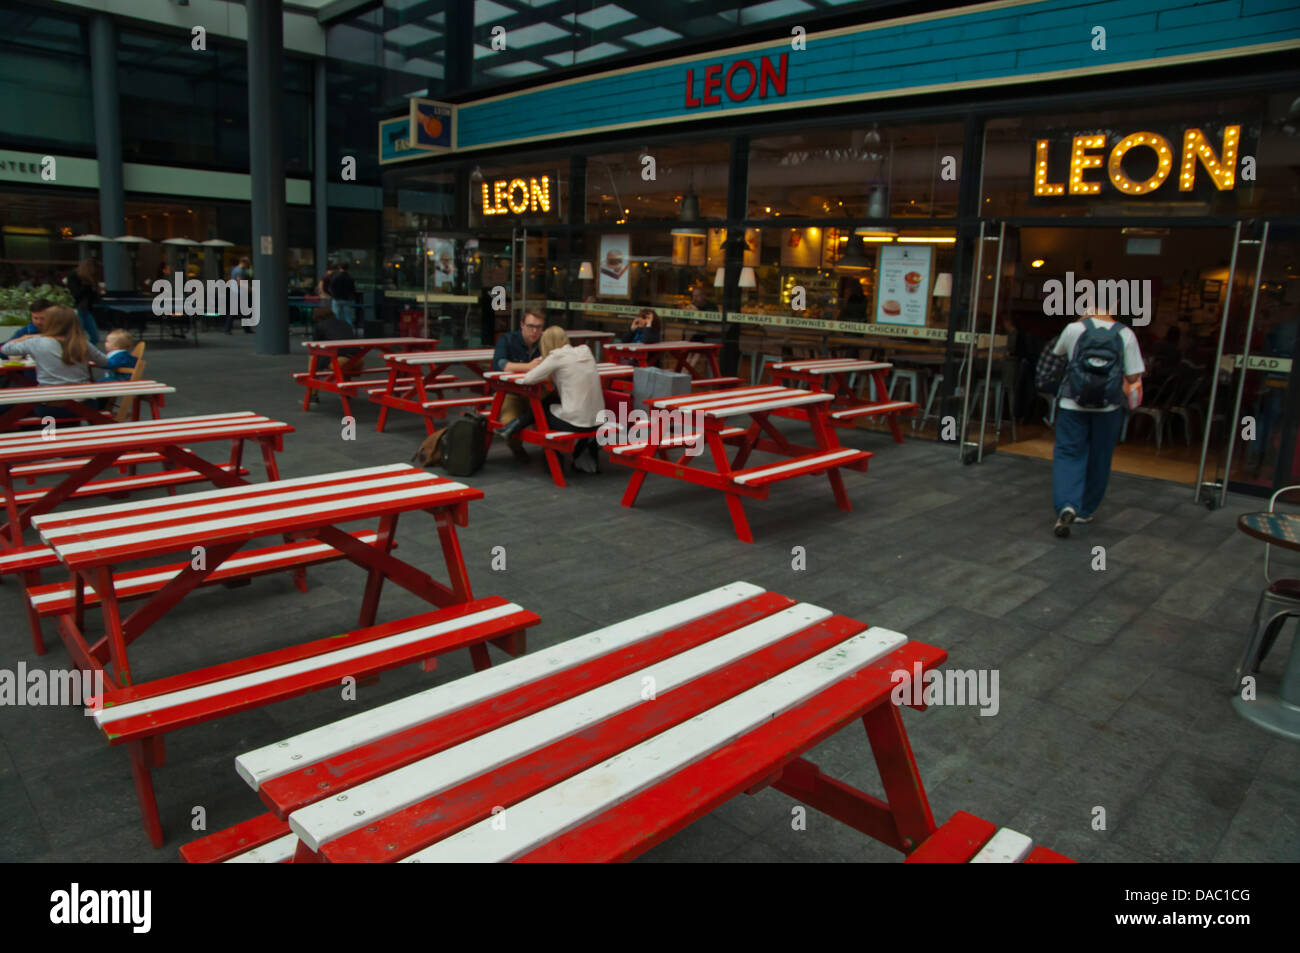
<point x="276" y="852"/>
<point x="221" y="501"/>
<point x="1004" y="847"/>
<point x="105" y="717"/>
<point x="776" y="403"/>
<point x="794" y="465"/>
<point x="560" y="808"/>
<point x="333" y="817"/>
<point x="305" y="749"/>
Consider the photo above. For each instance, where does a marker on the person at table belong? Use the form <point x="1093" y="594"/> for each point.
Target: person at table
<point x="83" y="284"/>
<point x="1105" y="366"/>
<point x="577" y="382"/>
<point x="646" y="328"/>
<point x="36" y="319"/>
<point x="700" y="300"/>
<point x="516" y="353"/>
<point x="61" y="353"/>
<point x="120" y="359"/>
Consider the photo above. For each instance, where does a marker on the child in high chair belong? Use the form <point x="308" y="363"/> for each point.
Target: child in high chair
<point x="120" y="362"/>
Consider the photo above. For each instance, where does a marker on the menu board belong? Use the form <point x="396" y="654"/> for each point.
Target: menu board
<point x="903" y="286"/>
<point x="442" y="263"/>
<point x="614" y="264"/>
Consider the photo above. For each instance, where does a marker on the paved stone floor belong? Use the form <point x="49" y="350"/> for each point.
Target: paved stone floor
<point x="1110" y="681"/>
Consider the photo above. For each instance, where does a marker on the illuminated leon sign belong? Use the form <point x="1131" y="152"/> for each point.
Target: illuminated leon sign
<point x="1151" y="150"/>
<point x="517" y="196"/>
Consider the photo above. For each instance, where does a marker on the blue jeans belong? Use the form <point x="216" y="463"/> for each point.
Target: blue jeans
<point x="88" y="325"/>
<point x="1085" y="443"/>
<point x="343" y="310"/>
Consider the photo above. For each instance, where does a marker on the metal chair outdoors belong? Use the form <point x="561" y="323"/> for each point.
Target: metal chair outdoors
<point x="1279" y="601"/>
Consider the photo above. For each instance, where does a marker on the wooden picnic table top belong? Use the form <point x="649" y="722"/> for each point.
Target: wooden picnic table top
<point x="841" y="365"/>
<point x="667" y="346"/>
<point x="371" y="342"/>
<point x="721" y="404"/>
<point x="47" y="393"/>
<point x="136" y="435"/>
<point x="606" y="370"/>
<point x="583" y="334"/>
<point x="586" y="767"/>
<point x="465" y="355"/>
<point x="107" y="535"/>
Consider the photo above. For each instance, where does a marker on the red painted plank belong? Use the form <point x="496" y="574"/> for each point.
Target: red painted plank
<point x="236" y="840"/>
<point x="639" y="823"/>
<point x="293" y="791"/>
<point x="1042" y="855"/>
<point x="955" y="842"/>
<point x="425" y="823"/>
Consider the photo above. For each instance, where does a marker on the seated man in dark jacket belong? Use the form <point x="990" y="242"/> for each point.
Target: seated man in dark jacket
<point x="518" y="352"/>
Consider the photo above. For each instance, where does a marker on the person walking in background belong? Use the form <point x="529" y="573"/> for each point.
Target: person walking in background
<point x="344" y="292"/>
<point x="854" y="306"/>
<point x="1103" y="375"/>
<point x="241" y="272"/>
<point x="83" y="285"/>
<point x="323" y="285"/>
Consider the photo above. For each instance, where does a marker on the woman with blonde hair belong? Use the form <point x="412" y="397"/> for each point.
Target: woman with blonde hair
<point x="61" y="351"/>
<point x="578" y="384"/>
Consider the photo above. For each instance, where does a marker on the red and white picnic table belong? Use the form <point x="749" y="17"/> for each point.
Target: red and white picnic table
<point x="80" y="453"/>
<point x="563" y="755"/>
<point x="711" y="411"/>
<point x="414" y="374"/>
<point x="831" y="376"/>
<point x="18" y="403"/>
<point x="325" y="372"/>
<point x="594" y="339"/>
<point x="308" y="512"/>
<point x="539" y="433"/>
<point x="18" y="368"/>
<point x="643" y="354"/>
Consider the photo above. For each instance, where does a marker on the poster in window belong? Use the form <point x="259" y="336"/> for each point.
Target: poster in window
<point x="903" y="288"/>
<point x="442" y="262"/>
<point x="614" y="265"/>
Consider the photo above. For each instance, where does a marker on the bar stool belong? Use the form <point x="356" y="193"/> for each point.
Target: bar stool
<point x="909" y="377"/>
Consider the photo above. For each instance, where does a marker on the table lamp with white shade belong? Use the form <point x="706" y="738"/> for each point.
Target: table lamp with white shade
<point x="942" y="287"/>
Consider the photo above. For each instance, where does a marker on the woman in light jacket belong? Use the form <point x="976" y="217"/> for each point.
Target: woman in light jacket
<point x="578" y="384"/>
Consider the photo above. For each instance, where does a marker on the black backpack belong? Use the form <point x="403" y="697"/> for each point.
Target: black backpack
<point x="464" y="445"/>
<point x="1096" y="371"/>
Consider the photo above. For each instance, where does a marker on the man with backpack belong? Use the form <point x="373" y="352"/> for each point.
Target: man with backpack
<point x="1105" y="364"/>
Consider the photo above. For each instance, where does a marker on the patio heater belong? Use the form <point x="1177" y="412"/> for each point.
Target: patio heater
<point x="212" y="257"/>
<point x="178" y="253"/>
<point x="133" y="243"/>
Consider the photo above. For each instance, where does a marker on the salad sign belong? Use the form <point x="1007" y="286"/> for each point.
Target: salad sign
<point x="903" y="289"/>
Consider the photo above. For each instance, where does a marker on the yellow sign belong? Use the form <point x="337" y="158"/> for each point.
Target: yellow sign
<point x="1196" y="148"/>
<point x="517" y="196"/>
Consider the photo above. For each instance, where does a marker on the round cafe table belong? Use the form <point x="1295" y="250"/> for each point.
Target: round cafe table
<point x="1280" y="713"/>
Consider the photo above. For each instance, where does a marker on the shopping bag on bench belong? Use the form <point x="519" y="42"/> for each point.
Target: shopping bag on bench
<point x="649" y="382"/>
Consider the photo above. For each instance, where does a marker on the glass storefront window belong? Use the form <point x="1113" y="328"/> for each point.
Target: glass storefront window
<point x="35" y="228"/>
<point x="864" y="171"/>
<point x="1228" y="156"/>
<point x="619" y="189"/>
<point x="44" y="80"/>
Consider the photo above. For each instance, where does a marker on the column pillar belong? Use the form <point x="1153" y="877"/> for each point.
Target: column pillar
<point x="266" y="166"/>
<point x="108" y="149"/>
<point x="320" y="170"/>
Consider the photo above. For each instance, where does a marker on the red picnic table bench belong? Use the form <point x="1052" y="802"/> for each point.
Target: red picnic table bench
<point x="709" y="413"/>
<point x="18" y="403"/>
<point x="79" y="454"/>
<point x="326" y="372"/>
<point x="416" y="379"/>
<point x="682" y="351"/>
<point x="564" y="756"/>
<point x="307" y="512"/>
<point x="553" y="442"/>
<point x="831" y="376"/>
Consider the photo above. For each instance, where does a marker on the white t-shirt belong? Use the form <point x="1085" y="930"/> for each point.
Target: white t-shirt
<point x="1132" y="356"/>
